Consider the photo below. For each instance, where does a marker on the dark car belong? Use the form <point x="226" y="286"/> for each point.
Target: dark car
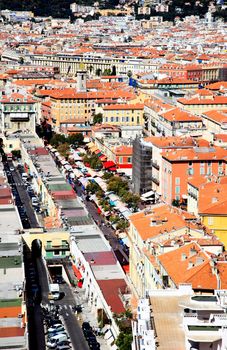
<point x="86" y="326"/>
<point x="77" y="308"/>
<point x="94" y="346"/>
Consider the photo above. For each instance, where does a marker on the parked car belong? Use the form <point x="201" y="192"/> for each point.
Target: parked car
<point x="63" y="347"/>
<point x="57" y="326"/>
<point x="86" y="326"/>
<point x="55" y="340"/>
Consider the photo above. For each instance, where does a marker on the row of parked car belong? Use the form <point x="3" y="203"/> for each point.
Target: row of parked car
<point x="90" y="336"/>
<point x="56" y="335"/>
<point x="22" y="212"/>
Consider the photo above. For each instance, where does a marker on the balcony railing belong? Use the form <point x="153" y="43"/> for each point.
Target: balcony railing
<point x="215" y="320"/>
<point x="57" y="247"/>
<point x="155" y="180"/>
<point x="155" y="165"/>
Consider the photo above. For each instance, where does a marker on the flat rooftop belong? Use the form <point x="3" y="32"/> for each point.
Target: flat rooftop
<point x="107" y="272"/>
<point x="9" y="220"/>
<point x="7" y="262"/>
<point x="88" y="244"/>
<point x="168" y="321"/>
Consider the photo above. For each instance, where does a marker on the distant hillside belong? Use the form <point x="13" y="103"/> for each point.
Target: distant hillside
<point x="55" y="8"/>
<point x="61" y="8"/>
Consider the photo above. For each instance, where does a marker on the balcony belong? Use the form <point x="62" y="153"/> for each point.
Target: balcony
<point x="155" y="180"/>
<point x="50" y="248"/>
<point x="215" y="320"/>
<point x="204" y="333"/>
<point x="155" y="165"/>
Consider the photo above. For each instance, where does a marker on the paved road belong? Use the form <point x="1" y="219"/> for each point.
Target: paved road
<point x="74" y="329"/>
<point x="71" y="323"/>
<point x="108" y="232"/>
<point x="24" y="197"/>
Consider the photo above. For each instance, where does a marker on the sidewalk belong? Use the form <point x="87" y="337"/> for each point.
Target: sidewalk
<point x="87" y="315"/>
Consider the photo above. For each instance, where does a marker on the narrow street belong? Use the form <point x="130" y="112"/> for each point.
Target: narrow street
<point x="108" y="231"/>
<point x="69" y="319"/>
<point x="24" y="197"/>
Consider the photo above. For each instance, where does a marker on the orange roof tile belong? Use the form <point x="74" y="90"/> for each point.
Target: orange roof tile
<point x="177" y="114"/>
<point x="160" y="220"/>
<point x="189" y="264"/>
<point x="138" y="106"/>
<point x="216" y="100"/>
<point x="195" y="154"/>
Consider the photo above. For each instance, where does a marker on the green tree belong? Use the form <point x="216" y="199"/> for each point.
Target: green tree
<point x="93" y="187"/>
<point x="107" y="72"/>
<point x="131" y="199"/>
<point x="98" y="72"/>
<point x="117" y="185"/>
<point x="97" y="118"/>
<point x="107" y="176"/>
<point x="124" y="341"/>
<point x="76" y="139"/>
<point x="64" y="149"/>
<point x="16" y="153"/>
<point x="122" y="224"/>
<point x="57" y="140"/>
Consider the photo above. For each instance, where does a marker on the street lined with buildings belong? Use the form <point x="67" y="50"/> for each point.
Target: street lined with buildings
<point x="113" y="179"/>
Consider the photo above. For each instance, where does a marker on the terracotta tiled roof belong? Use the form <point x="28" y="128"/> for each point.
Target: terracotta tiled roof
<point x="195" y="154"/>
<point x="160" y="220"/>
<point x="189" y="264"/>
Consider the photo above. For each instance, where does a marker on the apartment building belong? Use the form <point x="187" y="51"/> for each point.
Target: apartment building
<point x="215" y="121"/>
<point x="13" y="315"/>
<point x="177" y="165"/>
<point x="124" y="114"/>
<point x="198" y="105"/>
<point x="18" y="112"/>
<point x="147" y="160"/>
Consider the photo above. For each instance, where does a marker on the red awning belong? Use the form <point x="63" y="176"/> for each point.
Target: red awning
<point x="126" y="268"/>
<point x="102" y="156"/>
<point x="109" y="164"/>
<point x="113" y="168"/>
<point x="98" y="151"/>
<point x="77" y="272"/>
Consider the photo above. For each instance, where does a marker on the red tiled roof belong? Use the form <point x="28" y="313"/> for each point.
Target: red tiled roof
<point x="110" y="290"/>
<point x="9" y="332"/>
<point x="100" y="258"/>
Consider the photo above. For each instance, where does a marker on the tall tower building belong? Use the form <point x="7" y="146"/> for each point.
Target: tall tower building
<point x="81" y="79"/>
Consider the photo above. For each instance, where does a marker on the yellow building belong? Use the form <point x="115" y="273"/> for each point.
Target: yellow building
<point x="54" y="244"/>
<point x="207" y="199"/>
<point x="216" y="221"/>
<point x="124" y="114"/>
<point x="148" y="231"/>
<point x="71" y="106"/>
<point x="199" y="105"/>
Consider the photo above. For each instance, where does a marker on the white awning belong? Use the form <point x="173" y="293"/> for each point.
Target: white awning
<point x="184" y="196"/>
<point x="148" y="194"/>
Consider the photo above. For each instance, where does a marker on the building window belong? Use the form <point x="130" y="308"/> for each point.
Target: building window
<point x="210" y="221"/>
<point x="120" y="160"/>
<point x="177" y="181"/>
<point x="49" y="244"/>
<point x="177" y="189"/>
<point x="202" y="168"/>
<point x="190" y="171"/>
<point x="129" y="159"/>
<point x="57" y="252"/>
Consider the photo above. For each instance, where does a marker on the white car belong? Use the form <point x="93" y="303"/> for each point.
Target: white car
<point x="56" y="327"/>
